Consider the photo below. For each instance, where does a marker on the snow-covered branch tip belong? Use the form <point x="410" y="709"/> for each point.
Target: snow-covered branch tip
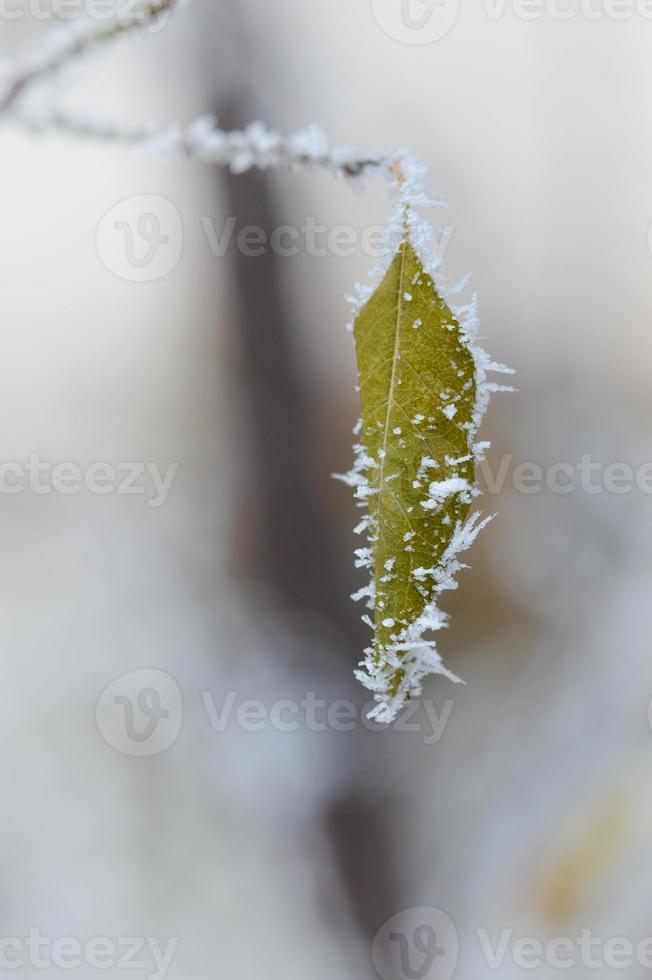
<point x="423" y="376"/>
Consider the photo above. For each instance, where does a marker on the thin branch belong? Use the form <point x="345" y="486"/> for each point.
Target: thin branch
<point x="66" y="44"/>
<point x="202" y="140"/>
<point x="239" y="150"/>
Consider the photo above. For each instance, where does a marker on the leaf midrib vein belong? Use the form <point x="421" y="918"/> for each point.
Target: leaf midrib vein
<point x="392" y="381"/>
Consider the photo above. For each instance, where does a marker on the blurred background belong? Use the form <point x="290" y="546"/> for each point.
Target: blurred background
<point x="262" y="847"/>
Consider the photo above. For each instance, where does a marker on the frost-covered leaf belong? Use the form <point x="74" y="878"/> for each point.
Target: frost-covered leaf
<point x="415" y="469"/>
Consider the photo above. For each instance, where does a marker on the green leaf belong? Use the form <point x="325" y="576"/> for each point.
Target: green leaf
<point x="415" y="469"/>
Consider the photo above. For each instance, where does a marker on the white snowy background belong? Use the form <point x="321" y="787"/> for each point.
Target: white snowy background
<point x="280" y="854"/>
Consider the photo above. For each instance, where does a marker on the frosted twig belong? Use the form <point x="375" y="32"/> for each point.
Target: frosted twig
<point x="255" y="146"/>
<point x="202" y="140"/>
<point x="64" y="44"/>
